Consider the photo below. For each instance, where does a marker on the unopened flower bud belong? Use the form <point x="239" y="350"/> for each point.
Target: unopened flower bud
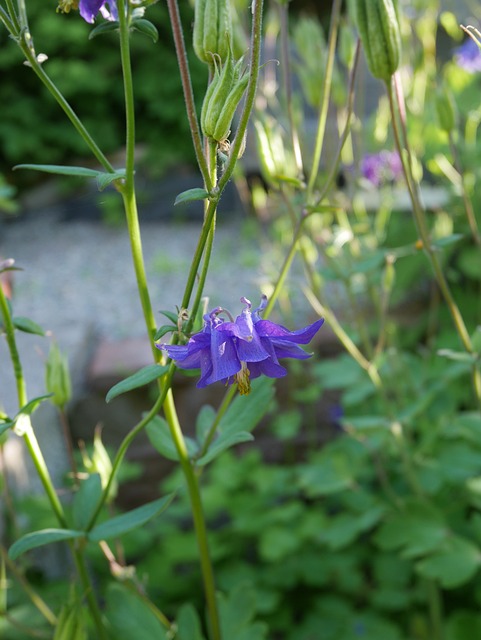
<point x="380" y="36"/>
<point x="221" y="100"/>
<point x="212" y="29"/>
<point x="446" y="111"/>
<point x="57" y="377"/>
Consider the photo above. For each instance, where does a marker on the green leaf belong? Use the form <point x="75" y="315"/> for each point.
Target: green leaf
<point x="82" y="172"/>
<point x="126" y="522"/>
<point x="163" y="330"/>
<point x="104" y="27"/>
<point x="130" y="616"/>
<point x="460" y="356"/>
<point x="139" y="379"/>
<point x="145" y="27"/>
<point x="173" y="317"/>
<point x="158" y="433"/>
<point x="27" y="326"/>
<point x="205" y="420"/>
<point x="463" y="625"/>
<point x="454" y="564"/>
<point x="30" y="407"/>
<point x="40" y="539"/>
<point x="447" y="241"/>
<point x="188" y="624"/>
<point x="417" y="529"/>
<point x="242" y="417"/>
<point x="190" y="195"/>
<point x="86" y="499"/>
<point x="332" y="474"/>
<point x="105" y="179"/>
<point x="236" y="612"/>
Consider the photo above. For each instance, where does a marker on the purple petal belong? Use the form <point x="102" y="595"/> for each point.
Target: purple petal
<point x="266" y="368"/>
<point x="223" y="357"/>
<point x="89" y="9"/>
<point x="268" y="329"/>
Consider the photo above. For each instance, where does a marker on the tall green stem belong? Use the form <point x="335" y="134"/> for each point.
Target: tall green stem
<point x="397" y="108"/>
<point x="188" y="92"/>
<point x="321" y="126"/>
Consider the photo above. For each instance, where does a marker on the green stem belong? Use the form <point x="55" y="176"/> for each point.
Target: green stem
<point x="89" y="593"/>
<point x="70" y="113"/>
<point x="29" y="436"/>
<point x="285" y="47"/>
<point x="422" y="228"/>
<point x="435" y="609"/>
<point x="188" y="91"/>
<point x="237" y="144"/>
<point x="10" y="21"/>
<point x="126" y="442"/>
<point x="36" y="600"/>
<point x="321" y="127"/>
<point x="229" y="396"/>
<point x="198" y="517"/>
<point x="468" y="205"/>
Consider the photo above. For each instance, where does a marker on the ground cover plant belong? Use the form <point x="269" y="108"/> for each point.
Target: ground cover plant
<point x="366" y="523"/>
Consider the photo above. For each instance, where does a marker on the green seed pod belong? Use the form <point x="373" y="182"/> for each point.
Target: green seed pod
<point x="207" y="98"/>
<point x="223" y="124"/>
<point x="212" y="29"/>
<point x="218" y="97"/>
<point x="446" y="110"/>
<point x="380" y="36"/>
<point x="57" y="377"/>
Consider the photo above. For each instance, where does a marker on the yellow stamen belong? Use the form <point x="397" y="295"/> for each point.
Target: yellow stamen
<point x="243" y="380"/>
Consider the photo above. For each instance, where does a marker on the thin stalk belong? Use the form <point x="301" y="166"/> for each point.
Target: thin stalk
<point x="10" y="21"/>
<point x="229" y="396"/>
<point x="468" y="205"/>
<point x="128" y="188"/>
<point x="199" y="521"/>
<point x="70" y="113"/>
<point x="29" y="436"/>
<point x="89" y="593"/>
<point x="36" y="600"/>
<point x="188" y="91"/>
<point x="422" y="228"/>
<point x="284" y="20"/>
<point x="126" y="442"/>
<point x="435" y="609"/>
<point x="236" y="146"/>
<point x="321" y="126"/>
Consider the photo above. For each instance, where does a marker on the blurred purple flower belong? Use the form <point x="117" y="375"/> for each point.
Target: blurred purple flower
<point x="468" y="56"/>
<point x="380" y="168"/>
<point x="237" y="351"/>
<point x="90" y="8"/>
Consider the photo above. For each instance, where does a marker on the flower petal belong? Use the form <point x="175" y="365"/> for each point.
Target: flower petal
<point x="268" y="329"/>
<point x="89" y="9"/>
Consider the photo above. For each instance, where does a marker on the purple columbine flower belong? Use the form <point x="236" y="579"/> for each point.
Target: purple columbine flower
<point x="90" y="8"/>
<point x="241" y="349"/>
<point x="468" y="56"/>
<point x="380" y="168"/>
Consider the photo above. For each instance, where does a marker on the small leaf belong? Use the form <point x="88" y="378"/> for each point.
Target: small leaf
<point x="139" y="379"/>
<point x="158" y="433"/>
<point x="104" y="179"/>
<point x="460" y="356"/>
<point x="124" y="523"/>
<point x="163" y="330"/>
<point x="27" y="326"/>
<point x="448" y="240"/>
<point x="30" y="407"/>
<point x="60" y="170"/>
<point x="190" y="195"/>
<point x="130" y="615"/>
<point x="104" y="27"/>
<point x="454" y="564"/>
<point x="145" y="27"/>
<point x="188" y="624"/>
<point x="41" y="538"/>
<point x="85" y="500"/>
<point x="223" y="443"/>
<point x="173" y="317"/>
<point x="241" y="418"/>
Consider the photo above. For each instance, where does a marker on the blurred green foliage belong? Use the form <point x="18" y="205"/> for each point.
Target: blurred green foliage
<point x="32" y="127"/>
